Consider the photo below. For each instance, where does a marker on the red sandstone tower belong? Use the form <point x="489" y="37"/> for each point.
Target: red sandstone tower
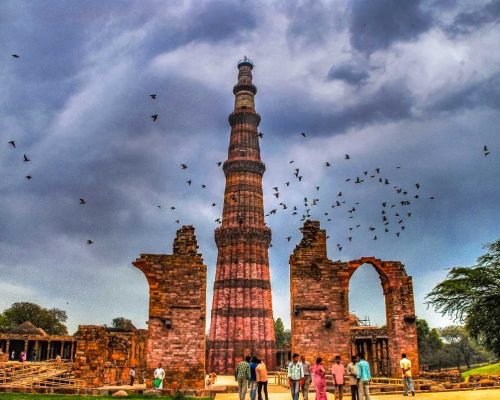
<point x="242" y="316"/>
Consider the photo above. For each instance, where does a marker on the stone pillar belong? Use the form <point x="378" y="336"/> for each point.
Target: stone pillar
<point x="177" y="308"/>
<point x="7" y="348"/>
<point x="62" y="349"/>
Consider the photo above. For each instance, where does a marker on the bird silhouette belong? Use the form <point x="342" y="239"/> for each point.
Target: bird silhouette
<point x="184" y="166"/>
<point x="28" y="177"/>
<point x="288" y="238"/>
<point x="327" y="164"/>
<point x="26" y="159"/>
<point x="261" y="135"/>
<point x="154" y="117"/>
<point x="15" y="56"/>
<point x="347" y="157"/>
<point x="189" y="182"/>
<point x="485" y="151"/>
<point x="12" y="143"/>
<point x="219" y="163"/>
<point x="153" y="96"/>
<point x="303" y="134"/>
<point x="213" y="204"/>
<point x="172" y="208"/>
<point x="203" y="186"/>
<point x="89" y="241"/>
<point x="82" y="201"/>
<point x="276" y="194"/>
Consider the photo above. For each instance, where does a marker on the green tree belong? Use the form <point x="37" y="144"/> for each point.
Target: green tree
<point x="429" y="344"/>
<point x="122" y="323"/>
<point x="279" y="333"/>
<point x="50" y="320"/>
<point x="472" y="295"/>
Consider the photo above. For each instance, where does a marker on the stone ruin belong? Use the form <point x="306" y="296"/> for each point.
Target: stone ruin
<point x="177" y="312"/>
<point x="105" y="355"/>
<point x="320" y="319"/>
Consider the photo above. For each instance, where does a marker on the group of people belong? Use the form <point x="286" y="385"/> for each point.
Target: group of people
<point x="254" y="372"/>
<point x="301" y="374"/>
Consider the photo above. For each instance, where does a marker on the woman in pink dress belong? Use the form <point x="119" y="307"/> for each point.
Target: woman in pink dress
<point x="319" y="378"/>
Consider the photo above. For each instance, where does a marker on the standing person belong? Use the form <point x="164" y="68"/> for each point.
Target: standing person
<point x="364" y="377"/>
<point x="13" y="355"/>
<point x="242" y="376"/>
<point x="352" y="370"/>
<point x="159" y="375"/>
<point x="253" y="378"/>
<point x="405" y="366"/>
<point x="22" y="357"/>
<point x="295" y="376"/>
<point x="338" y="372"/>
<point x="261" y="372"/>
<point x="307" y="377"/>
<point x="319" y="378"/>
<point x="132" y="376"/>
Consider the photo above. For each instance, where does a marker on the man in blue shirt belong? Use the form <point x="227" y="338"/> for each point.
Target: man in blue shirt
<point x="364" y="377"/>
<point x="253" y="378"/>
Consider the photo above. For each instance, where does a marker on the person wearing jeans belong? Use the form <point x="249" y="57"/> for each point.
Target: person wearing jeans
<point x="295" y="376"/>
<point x="242" y="376"/>
<point x="253" y="378"/>
<point x="405" y="366"/>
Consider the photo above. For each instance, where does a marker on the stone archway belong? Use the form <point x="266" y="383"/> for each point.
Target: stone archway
<point x="320" y="321"/>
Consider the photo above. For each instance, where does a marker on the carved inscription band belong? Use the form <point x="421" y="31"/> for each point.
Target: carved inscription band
<point x="243" y="312"/>
<point x="242" y="283"/>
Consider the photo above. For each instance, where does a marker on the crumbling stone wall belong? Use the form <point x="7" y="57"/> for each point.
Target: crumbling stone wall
<point x="177" y="302"/>
<point x="105" y="355"/>
<point x="319" y="289"/>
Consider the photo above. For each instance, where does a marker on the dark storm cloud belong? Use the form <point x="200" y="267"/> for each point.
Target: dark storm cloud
<point x="393" y="101"/>
<point x="481" y="94"/>
<point x="351" y="73"/>
<point x="468" y="21"/>
<point x="375" y="25"/>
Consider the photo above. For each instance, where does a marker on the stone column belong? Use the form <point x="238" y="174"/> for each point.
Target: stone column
<point x="7" y="348"/>
<point x="62" y="349"/>
<point x="26" y="347"/>
<point x="49" y="349"/>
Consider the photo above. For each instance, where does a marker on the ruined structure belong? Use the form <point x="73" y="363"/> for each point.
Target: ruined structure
<point x="321" y="324"/>
<point x="104" y="355"/>
<point x="177" y="302"/>
<point x="242" y="317"/>
<point x="36" y="343"/>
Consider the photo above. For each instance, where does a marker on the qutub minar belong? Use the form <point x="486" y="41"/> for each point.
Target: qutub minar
<point x="242" y="316"/>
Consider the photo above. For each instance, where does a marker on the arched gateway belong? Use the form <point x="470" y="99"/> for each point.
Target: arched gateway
<point x="321" y="323"/>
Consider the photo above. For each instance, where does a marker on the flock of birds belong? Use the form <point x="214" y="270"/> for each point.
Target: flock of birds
<point x="396" y="213"/>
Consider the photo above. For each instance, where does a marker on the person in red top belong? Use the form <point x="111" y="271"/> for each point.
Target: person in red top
<point x="338" y="372"/>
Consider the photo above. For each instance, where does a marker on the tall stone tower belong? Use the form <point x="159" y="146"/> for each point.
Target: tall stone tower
<point x="242" y="316"/>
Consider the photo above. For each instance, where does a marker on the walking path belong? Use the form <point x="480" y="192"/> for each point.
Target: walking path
<point x="277" y="392"/>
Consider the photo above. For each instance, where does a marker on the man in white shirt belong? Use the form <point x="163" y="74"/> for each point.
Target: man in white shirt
<point x="352" y="370"/>
<point x="159" y="375"/>
<point x="307" y="377"/>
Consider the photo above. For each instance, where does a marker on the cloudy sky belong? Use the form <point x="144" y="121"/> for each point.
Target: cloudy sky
<point x="408" y="84"/>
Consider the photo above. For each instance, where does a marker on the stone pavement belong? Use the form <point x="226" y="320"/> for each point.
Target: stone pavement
<point x="277" y="392"/>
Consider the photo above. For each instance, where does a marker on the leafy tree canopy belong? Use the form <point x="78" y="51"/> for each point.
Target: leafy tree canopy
<point x="472" y="295"/>
<point x="122" y="323"/>
<point x="282" y="336"/>
<point x="50" y="320"/>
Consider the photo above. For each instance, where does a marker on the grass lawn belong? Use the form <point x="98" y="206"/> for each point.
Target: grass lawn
<point x="485" y="370"/>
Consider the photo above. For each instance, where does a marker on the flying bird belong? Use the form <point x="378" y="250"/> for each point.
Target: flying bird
<point x="153" y="96"/>
<point x="303" y="134"/>
<point x="288" y="238"/>
<point x="485" y="151"/>
<point x="276" y="194"/>
<point x="82" y="201"/>
<point x="12" y="143"/>
<point x="184" y="166"/>
<point x="154" y="117"/>
<point x="203" y="186"/>
<point x="261" y="135"/>
<point x="327" y="164"/>
<point x="275" y="188"/>
<point x="15" y="56"/>
<point x="417" y="185"/>
<point x="189" y="182"/>
<point x="28" y="177"/>
<point x="347" y="157"/>
<point x="172" y="208"/>
<point x="219" y="163"/>
<point x="213" y="204"/>
<point x="26" y="159"/>
<point x="89" y="241"/>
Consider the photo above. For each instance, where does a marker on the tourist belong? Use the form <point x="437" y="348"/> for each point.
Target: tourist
<point x="319" y="378"/>
<point x="363" y="377"/>
<point x="307" y="377"/>
<point x="352" y="370"/>
<point x="338" y="372"/>
<point x="22" y="357"/>
<point x="242" y="375"/>
<point x="295" y="376"/>
<point x="211" y="379"/>
<point x="253" y="378"/>
<point x="132" y="376"/>
<point x="13" y="355"/>
<point x="261" y="372"/>
<point x="405" y="366"/>
<point x="159" y="375"/>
